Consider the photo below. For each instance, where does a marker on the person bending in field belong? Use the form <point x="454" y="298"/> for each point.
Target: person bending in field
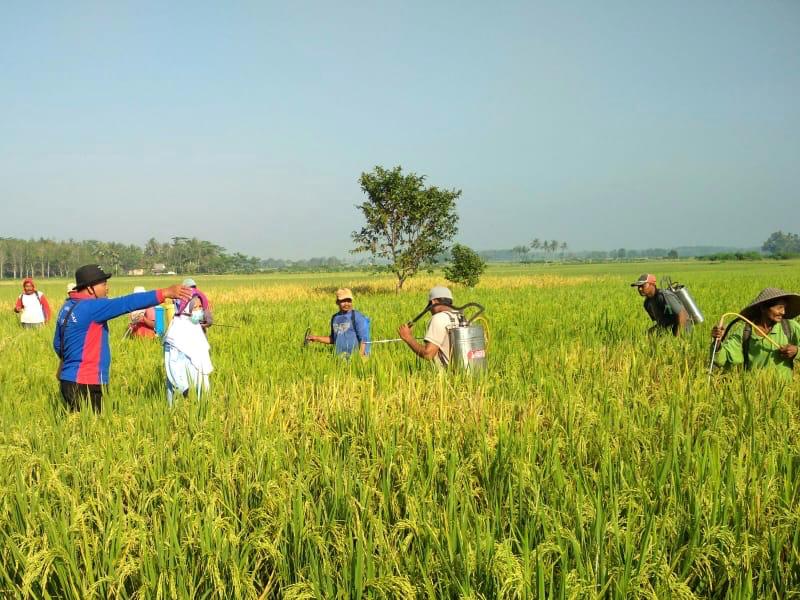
<point x="143" y="322"/>
<point x="663" y="307"/>
<point x="349" y="330"/>
<point x="437" y="336"/>
<point x="32" y="306"/>
<point x="187" y="353"/>
<point x="81" y="338"/>
<point x="771" y="312"/>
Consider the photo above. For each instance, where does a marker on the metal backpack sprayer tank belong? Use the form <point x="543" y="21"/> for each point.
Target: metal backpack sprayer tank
<point x="467" y="339"/>
<point x="685" y="298"/>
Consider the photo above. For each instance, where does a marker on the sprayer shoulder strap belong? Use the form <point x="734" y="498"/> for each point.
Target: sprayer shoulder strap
<point x="38" y="297"/>
<point x="455" y="317"/>
<point x="353" y="322"/>
<point x="747" y="333"/>
<point x="787" y="331"/>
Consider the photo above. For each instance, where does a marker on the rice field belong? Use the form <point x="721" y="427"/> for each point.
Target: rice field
<point x="590" y="461"/>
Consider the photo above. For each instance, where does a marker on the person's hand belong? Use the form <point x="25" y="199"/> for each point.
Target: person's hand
<point x="312" y="338"/>
<point x="404" y="331"/>
<point x="17" y="309"/>
<point x="788" y="351"/>
<point x="717" y="332"/>
<point x="178" y="292"/>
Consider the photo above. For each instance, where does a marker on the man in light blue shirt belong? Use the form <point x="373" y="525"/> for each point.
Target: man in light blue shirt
<point x="349" y="328"/>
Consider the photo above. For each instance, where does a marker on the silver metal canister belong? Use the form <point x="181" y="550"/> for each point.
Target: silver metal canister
<point x="688" y="303"/>
<point x="468" y="348"/>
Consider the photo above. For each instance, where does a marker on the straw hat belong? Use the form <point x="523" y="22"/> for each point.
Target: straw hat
<point x="752" y="310"/>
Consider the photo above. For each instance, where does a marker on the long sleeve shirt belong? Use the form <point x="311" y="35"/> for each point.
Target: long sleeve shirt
<point x="81" y="337"/>
<point x="761" y="353"/>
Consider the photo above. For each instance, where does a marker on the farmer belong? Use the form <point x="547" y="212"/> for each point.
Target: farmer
<point x="662" y="306"/>
<point x="143" y="322"/>
<point x="81" y="338"/>
<point x="33" y="306"/>
<point x="437" y="336"/>
<point x="349" y="328"/>
<point x="187" y="354"/>
<point x="771" y="312"/>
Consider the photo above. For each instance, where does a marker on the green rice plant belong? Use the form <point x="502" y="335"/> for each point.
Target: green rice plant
<point x="590" y="461"/>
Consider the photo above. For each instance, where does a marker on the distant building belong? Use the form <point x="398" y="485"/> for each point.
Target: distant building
<point x="159" y="269"/>
<point x="136" y="272"/>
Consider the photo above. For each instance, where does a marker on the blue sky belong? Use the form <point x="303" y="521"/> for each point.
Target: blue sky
<point x="605" y="124"/>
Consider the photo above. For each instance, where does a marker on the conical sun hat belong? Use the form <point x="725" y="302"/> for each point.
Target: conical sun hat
<point x="751" y="311"/>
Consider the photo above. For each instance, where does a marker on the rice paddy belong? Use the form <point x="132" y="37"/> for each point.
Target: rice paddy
<point x="590" y="461"/>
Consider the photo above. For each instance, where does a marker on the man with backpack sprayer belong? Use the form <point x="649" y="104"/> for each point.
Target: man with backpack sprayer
<point x="437" y="337"/>
<point x="350" y="329"/>
<point x="769" y="337"/>
<point x="663" y="307"/>
<point x="81" y="337"/>
<point x="33" y="306"/>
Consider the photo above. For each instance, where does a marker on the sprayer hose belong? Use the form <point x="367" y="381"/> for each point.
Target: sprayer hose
<point x="756" y="327"/>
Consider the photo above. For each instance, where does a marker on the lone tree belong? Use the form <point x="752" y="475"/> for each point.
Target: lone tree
<point x="408" y="224"/>
<point x="466" y="268"/>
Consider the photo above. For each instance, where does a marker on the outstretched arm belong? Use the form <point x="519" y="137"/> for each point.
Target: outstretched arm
<point x="427" y="351"/>
<point x="107" y="309"/>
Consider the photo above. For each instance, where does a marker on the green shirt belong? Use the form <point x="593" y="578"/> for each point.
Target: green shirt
<point x="761" y="352"/>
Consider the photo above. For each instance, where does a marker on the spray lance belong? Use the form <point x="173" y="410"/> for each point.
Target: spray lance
<point x="307" y="333"/>
<point x="410" y="324"/>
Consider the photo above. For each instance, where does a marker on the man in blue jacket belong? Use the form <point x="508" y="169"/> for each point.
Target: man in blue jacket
<point x="81" y="338"/>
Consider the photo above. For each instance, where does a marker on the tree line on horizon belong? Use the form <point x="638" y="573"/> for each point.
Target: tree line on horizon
<point x="59" y="258"/>
<point x="46" y="258"/>
<point x="408" y="228"/>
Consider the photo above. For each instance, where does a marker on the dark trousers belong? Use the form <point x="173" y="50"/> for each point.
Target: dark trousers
<point x="75" y="394"/>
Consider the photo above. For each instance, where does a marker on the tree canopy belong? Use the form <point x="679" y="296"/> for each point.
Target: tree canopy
<point x="782" y="243"/>
<point x="466" y="268"/>
<point x="407" y="223"/>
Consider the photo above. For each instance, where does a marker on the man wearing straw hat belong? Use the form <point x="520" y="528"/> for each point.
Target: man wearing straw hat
<point x="349" y="330"/>
<point x="769" y="337"/>
<point x="662" y="306"/>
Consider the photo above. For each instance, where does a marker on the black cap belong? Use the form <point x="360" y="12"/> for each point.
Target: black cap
<point x="89" y="275"/>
